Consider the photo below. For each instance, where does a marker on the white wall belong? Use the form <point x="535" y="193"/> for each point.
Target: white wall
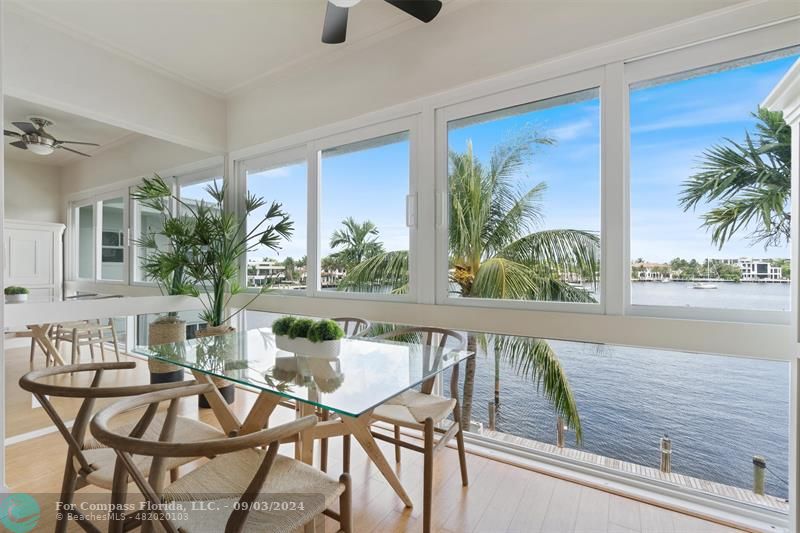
<point x="49" y="66"/>
<point x="479" y="41"/>
<point x="140" y="156"/>
<point x="33" y="192"/>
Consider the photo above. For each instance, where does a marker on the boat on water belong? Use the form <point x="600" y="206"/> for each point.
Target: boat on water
<point x="666" y="280"/>
<point x="705" y="284"/>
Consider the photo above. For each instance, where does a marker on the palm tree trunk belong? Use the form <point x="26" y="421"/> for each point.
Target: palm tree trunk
<point x="469" y="382"/>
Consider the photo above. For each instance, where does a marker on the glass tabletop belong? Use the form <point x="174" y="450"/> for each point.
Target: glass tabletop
<point x="367" y="372"/>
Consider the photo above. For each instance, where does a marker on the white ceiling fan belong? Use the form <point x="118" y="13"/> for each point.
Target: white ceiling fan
<point x="34" y="138"/>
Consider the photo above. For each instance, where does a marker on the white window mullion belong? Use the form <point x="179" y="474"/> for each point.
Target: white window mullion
<point x="313" y="157"/>
<point x="97" y="244"/>
<point x="424" y="186"/>
<point x="614" y="229"/>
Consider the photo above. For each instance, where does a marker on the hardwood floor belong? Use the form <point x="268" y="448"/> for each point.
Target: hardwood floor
<point x="500" y="497"/>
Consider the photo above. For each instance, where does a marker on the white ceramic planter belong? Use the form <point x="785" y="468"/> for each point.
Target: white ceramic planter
<point x="299" y="346"/>
<point x="16" y="298"/>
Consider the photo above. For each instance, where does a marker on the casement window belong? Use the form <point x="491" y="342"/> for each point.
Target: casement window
<point x="281" y="178"/>
<point x="709" y="190"/>
<point x="363" y="235"/>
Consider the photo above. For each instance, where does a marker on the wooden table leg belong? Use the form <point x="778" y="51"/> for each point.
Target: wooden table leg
<point x="259" y="414"/>
<point x="39" y="332"/>
<point x="359" y="427"/>
<point x="230" y="424"/>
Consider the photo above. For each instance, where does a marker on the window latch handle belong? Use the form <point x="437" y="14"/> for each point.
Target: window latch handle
<point x="411" y="210"/>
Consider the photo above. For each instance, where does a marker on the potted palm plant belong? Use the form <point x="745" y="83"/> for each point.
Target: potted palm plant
<point x="164" y="260"/>
<point x="219" y="240"/>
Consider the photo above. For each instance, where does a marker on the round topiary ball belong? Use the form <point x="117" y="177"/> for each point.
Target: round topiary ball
<point x="283" y="325"/>
<point x="300" y="328"/>
<point x="325" y="330"/>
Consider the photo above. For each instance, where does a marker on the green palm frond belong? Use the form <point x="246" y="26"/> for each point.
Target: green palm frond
<point x="501" y="278"/>
<point x="376" y="274"/>
<point x="535" y="358"/>
<point x="557" y="251"/>
<point x="748" y="184"/>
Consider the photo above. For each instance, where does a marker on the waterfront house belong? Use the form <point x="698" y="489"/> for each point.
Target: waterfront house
<point x="382" y="265"/>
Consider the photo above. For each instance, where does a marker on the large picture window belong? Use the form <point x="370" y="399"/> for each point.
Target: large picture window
<point x="286" y="184"/>
<point x="710" y="189"/>
<point x="364" y="239"/>
<point x="524" y="202"/>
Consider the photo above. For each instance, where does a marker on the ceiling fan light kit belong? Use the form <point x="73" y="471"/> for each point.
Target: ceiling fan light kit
<point x="35" y="139"/>
<point x="334" y="29"/>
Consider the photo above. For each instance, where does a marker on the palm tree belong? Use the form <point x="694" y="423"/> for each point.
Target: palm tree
<point x="496" y="253"/>
<point x="358" y="242"/>
<point x="749" y="181"/>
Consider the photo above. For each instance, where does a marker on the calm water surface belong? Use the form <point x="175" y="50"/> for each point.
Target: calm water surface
<point x="763" y="296"/>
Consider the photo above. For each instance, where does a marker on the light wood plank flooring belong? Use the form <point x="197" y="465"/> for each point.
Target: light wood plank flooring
<point x="499" y="498"/>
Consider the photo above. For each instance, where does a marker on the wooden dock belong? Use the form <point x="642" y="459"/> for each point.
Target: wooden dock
<point x="711" y="487"/>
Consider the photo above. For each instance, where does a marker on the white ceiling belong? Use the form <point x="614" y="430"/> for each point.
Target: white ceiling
<point x="218" y="45"/>
<point x="67" y="127"/>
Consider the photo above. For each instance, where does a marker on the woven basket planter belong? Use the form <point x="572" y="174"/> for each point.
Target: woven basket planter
<point x="165" y="330"/>
<point x="226" y="388"/>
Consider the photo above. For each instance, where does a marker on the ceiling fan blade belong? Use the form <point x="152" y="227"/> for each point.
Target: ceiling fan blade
<point x="334" y="30"/>
<point x="19" y="144"/>
<point x="71" y="150"/>
<point x="12" y="133"/>
<point x="424" y="10"/>
<point x="26" y="127"/>
<point x="78" y="142"/>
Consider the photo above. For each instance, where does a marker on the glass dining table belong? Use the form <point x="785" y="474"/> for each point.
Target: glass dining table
<point x="366" y="374"/>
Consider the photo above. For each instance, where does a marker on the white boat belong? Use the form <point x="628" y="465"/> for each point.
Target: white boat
<point x="666" y="280"/>
<point x="705" y="284"/>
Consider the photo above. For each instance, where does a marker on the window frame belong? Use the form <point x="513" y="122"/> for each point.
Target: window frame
<point x="270" y="161"/>
<point x="675" y="63"/>
<point x="315" y="148"/>
<point x="592" y="79"/>
<point x="136" y="233"/>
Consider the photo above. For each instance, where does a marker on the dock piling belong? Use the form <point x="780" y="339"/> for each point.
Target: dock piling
<point x="759" y="474"/>
<point x="666" y="454"/>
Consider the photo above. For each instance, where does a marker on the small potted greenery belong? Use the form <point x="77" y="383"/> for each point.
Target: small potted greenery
<point x="15" y="295"/>
<point x="303" y="336"/>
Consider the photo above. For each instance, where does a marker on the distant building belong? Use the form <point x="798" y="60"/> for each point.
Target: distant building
<point x="260" y="273"/>
<point x="758" y="270"/>
<point x="651" y="271"/>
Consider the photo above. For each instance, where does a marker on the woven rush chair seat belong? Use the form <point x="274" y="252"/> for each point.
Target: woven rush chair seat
<point x="88" y="462"/>
<point x="289" y="481"/>
<point x="411" y="408"/>
<point x="244" y="487"/>
<point x="103" y="459"/>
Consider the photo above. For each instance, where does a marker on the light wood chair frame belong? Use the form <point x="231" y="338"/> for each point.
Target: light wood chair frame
<point x="430" y="446"/>
<point x="87" y="334"/>
<point x="76" y="479"/>
<point x="128" y="445"/>
<point x="353" y="326"/>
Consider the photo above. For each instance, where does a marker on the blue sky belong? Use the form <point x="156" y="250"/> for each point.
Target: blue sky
<point x="671" y="125"/>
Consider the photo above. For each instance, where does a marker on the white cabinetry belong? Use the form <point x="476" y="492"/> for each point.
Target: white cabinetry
<point x="33" y="258"/>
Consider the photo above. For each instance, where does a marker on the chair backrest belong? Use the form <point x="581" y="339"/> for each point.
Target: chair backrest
<point x="127" y="445"/>
<point x="31" y="382"/>
<point x="353" y="326"/>
<point x="427" y="336"/>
